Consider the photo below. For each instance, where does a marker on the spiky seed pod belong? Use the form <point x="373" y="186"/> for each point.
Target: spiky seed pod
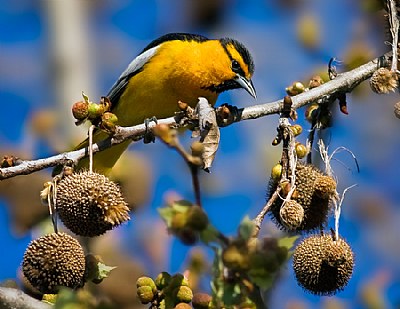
<point x="323" y="266"/>
<point x="315" y="206"/>
<point x="325" y="186"/>
<point x="52" y="261"/>
<point x="89" y="204"/>
<point x="383" y="81"/>
<point x="397" y="110"/>
<point x="291" y="214"/>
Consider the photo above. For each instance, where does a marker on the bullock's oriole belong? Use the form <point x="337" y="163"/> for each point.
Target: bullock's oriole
<point x="175" y="67"/>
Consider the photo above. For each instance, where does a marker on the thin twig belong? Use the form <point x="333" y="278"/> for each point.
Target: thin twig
<point x="260" y="217"/>
<point x="91" y="129"/>
<point x="394" y="30"/>
<point x="194" y="169"/>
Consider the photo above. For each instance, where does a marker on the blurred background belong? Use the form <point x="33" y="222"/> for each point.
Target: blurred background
<point x="51" y="51"/>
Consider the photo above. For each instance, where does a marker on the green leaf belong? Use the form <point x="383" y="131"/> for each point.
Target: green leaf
<point x="287" y="242"/>
<point x="262" y="278"/>
<point x="166" y="214"/>
<point x="85" y="97"/>
<point x="217" y="273"/>
<point x="180" y="208"/>
<point x="208" y="235"/>
<point x="232" y="294"/>
<point x="246" y="228"/>
<point x="66" y="298"/>
<point x="104" y="270"/>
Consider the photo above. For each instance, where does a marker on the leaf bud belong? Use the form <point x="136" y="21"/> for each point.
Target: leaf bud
<point x="80" y="110"/>
<point x="183" y="294"/>
<point x="145" y="294"/>
<point x="235" y="257"/>
<point x="197" y="219"/>
<point x="188" y="236"/>
<point x="95" y="111"/>
<point x="312" y="112"/>
<point x="296" y="129"/>
<point x="276" y="171"/>
<point x="301" y="150"/>
<point x="108" y="122"/>
<point x="165" y="133"/>
<point x="315" y="81"/>
<point x="197" y="148"/>
<point x="201" y="301"/>
<point x="182" y="306"/>
<point x="178" y="221"/>
<point x="146" y="281"/>
<point x="178" y="280"/>
<point x="162" y="280"/>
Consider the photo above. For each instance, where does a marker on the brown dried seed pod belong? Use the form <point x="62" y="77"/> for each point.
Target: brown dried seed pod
<point x="325" y="186"/>
<point x="89" y="204"/>
<point x="315" y="206"/>
<point x="397" y="110"/>
<point x="323" y="266"/>
<point x="383" y="81"/>
<point x="52" y="261"/>
<point x="291" y="214"/>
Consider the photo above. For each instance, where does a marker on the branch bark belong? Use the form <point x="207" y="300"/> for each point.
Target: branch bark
<point x="344" y="82"/>
<point x="15" y="299"/>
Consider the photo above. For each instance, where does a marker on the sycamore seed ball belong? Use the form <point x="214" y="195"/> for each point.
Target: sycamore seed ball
<point x="325" y="186"/>
<point x="383" y="81"/>
<point x="397" y="110"/>
<point x="308" y="195"/>
<point x="52" y="261"/>
<point x="323" y="266"/>
<point x="291" y="214"/>
<point x="89" y="204"/>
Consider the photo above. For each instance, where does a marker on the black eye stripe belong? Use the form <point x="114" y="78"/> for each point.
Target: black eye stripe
<point x="242" y="50"/>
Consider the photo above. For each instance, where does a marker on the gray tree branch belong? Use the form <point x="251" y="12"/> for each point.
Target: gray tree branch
<point x="344" y="82"/>
<point x="15" y="299"/>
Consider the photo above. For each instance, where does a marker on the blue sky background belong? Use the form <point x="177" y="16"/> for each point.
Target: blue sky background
<point x="118" y="30"/>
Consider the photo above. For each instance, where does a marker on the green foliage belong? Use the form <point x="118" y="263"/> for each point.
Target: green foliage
<point x="246" y="228"/>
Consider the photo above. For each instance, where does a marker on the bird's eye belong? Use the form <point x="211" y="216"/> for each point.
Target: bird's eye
<point x="236" y="66"/>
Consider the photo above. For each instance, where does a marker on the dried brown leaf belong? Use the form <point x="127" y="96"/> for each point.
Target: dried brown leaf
<point x="209" y="132"/>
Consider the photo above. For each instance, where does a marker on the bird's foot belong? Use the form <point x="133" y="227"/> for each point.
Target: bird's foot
<point x="149" y="135"/>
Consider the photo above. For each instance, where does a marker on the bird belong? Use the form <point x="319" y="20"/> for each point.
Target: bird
<point x="175" y="67"/>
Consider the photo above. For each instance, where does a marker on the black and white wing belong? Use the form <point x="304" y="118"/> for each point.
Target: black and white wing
<point x="133" y="68"/>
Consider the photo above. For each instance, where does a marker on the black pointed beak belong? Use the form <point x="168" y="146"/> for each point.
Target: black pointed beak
<point x="246" y="84"/>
